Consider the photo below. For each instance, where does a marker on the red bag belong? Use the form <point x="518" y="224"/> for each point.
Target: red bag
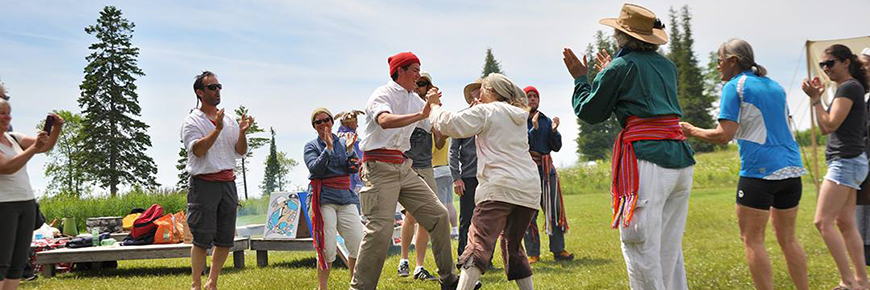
<point x="145" y="223"/>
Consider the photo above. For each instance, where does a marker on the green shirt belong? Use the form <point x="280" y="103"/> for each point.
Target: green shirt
<point x="642" y="84"/>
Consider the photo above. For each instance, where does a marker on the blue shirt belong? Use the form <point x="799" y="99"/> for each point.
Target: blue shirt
<point x="765" y="141"/>
<point x="324" y="163"/>
<point x="544" y="139"/>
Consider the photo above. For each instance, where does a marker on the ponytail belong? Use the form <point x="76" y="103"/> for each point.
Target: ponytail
<point x="856" y="70"/>
<point x="745" y="57"/>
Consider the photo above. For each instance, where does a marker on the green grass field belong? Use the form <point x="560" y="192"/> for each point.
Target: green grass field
<point x="713" y="253"/>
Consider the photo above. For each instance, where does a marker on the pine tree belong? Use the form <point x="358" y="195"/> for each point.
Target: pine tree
<point x="63" y="168"/>
<point x="273" y="168"/>
<point x="694" y="100"/>
<point x="285" y="165"/>
<point x="115" y="140"/>
<point x="183" y="177"/>
<point x="594" y="142"/>
<point x="253" y="144"/>
<point x="490" y="65"/>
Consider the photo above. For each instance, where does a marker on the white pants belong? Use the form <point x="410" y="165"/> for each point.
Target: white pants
<point x="652" y="243"/>
<point x="342" y="219"/>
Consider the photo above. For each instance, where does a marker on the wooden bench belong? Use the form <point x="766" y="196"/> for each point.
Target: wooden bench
<point x="48" y="259"/>
<point x="263" y="246"/>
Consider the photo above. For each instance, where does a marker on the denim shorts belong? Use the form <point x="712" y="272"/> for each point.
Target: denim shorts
<point x="850" y="172"/>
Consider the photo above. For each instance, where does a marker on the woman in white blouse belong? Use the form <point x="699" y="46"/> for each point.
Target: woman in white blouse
<point x="509" y="191"/>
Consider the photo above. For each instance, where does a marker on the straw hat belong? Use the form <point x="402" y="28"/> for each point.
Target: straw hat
<point x="425" y="75"/>
<point x="471" y="87"/>
<point x="640" y="23"/>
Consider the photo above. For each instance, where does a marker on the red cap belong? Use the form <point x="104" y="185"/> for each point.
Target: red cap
<point x="531" y="89"/>
<point x="401" y="59"/>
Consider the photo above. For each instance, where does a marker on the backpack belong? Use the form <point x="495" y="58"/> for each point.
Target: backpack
<point x="169" y="229"/>
<point x="144" y="224"/>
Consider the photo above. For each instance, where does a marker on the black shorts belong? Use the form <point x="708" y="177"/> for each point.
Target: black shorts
<point x="211" y="212"/>
<point x="763" y="194"/>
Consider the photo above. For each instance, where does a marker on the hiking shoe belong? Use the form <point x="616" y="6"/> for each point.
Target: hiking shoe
<point x="404" y="270"/>
<point x="423" y="275"/>
<point x="534" y="259"/>
<point x="455" y="284"/>
<point x="564" y="256"/>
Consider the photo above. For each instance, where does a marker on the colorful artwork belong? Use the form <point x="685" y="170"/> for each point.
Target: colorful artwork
<point x="282" y="220"/>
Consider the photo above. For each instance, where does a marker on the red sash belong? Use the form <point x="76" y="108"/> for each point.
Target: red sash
<point x="223" y="175"/>
<point x="625" y="176"/>
<point x="384" y="155"/>
<point x="338" y="182"/>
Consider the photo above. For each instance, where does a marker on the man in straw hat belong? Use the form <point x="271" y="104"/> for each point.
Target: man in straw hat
<point x="391" y="114"/>
<point x="652" y="162"/>
<point x="463" y="167"/>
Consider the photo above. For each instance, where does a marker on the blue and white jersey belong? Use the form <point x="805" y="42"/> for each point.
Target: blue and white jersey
<point x="767" y="148"/>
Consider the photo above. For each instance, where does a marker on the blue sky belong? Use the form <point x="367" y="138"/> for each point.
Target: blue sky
<point x="284" y="58"/>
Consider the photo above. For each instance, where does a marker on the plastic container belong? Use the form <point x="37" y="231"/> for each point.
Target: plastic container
<point x="95" y="237"/>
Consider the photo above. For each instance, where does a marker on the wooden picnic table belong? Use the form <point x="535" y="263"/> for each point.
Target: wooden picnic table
<point x="263" y="246"/>
<point x="48" y="259"/>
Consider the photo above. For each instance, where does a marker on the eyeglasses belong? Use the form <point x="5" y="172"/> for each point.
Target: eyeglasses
<point x="321" y="121"/>
<point x="422" y="84"/>
<point x="215" y="87"/>
<point x="826" y="64"/>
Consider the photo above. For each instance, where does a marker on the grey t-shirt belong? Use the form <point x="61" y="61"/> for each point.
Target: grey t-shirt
<point x="421" y="149"/>
<point x="848" y="140"/>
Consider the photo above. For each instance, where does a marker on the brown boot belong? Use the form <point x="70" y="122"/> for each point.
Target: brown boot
<point x="564" y="256"/>
<point x="534" y="259"/>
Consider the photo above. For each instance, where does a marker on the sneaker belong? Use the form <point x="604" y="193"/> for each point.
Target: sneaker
<point x="422" y="274"/>
<point x="455" y="284"/>
<point x="404" y="270"/>
<point x="534" y="259"/>
<point x="564" y="256"/>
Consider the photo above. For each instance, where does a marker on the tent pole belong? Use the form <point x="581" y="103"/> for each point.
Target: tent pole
<point x="815" y="158"/>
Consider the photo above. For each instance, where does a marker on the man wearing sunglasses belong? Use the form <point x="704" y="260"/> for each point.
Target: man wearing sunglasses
<point x="214" y="142"/>
<point x="421" y="162"/>
<point x="392" y="112"/>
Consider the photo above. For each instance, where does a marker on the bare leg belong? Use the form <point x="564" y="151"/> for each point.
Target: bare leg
<point x="351" y="264"/>
<point x="421" y="243"/>
<point x="832" y="201"/>
<point x="752" y="224"/>
<point x="10" y="284"/>
<point x="218" y="257"/>
<point x="407" y="233"/>
<point x="197" y="264"/>
<point x="323" y="277"/>
<point x="852" y="239"/>
<point x="795" y="258"/>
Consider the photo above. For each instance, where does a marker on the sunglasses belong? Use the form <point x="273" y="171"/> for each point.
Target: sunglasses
<point x="215" y="87"/>
<point x="826" y="64"/>
<point x="321" y="121"/>
<point x="422" y="84"/>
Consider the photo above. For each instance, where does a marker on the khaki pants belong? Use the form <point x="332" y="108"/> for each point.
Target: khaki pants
<point x="384" y="185"/>
<point x="344" y="220"/>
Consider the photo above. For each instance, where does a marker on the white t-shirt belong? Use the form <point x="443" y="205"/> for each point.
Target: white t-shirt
<point x="15" y="186"/>
<point x="394" y="99"/>
<point x="222" y="154"/>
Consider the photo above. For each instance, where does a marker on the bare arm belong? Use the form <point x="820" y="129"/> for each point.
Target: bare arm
<point x="12" y="165"/>
<point x="440" y="139"/>
<point x="830" y="121"/>
<point x="388" y="120"/>
<point x="722" y="134"/>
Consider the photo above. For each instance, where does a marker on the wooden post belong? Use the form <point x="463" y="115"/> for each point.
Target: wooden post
<point x="239" y="259"/>
<point x="815" y="168"/>
<point x="262" y="258"/>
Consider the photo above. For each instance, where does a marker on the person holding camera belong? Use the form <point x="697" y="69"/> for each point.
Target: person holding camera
<point x="17" y="201"/>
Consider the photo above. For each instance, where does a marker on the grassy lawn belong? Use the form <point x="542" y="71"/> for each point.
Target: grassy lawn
<point x="713" y="254"/>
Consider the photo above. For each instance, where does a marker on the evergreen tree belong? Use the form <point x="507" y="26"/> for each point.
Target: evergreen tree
<point x="183" y="177"/>
<point x="115" y="140"/>
<point x="253" y="144"/>
<point x="273" y="168"/>
<point x="63" y="169"/>
<point x="285" y="165"/>
<point x="490" y="65"/>
<point x="691" y="90"/>
<point x="594" y="142"/>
